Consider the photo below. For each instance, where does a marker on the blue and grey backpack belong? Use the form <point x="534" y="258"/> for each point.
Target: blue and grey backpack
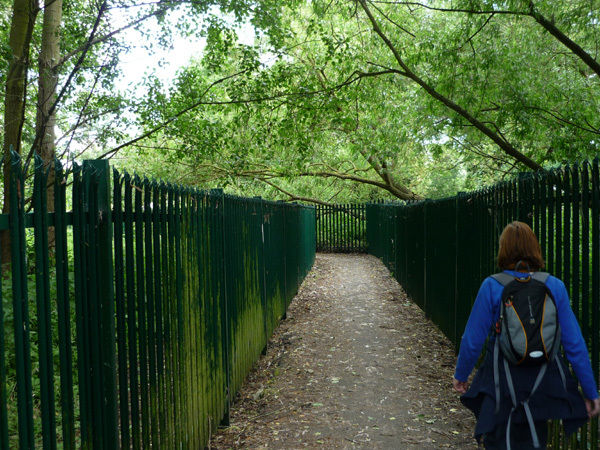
<point x="528" y="331"/>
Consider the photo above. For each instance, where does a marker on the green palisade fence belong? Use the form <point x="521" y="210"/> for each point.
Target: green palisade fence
<point x="140" y="323"/>
<point x="341" y="228"/>
<point x="441" y="250"/>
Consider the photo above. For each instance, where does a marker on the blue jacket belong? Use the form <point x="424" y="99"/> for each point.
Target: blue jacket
<point x="485" y="313"/>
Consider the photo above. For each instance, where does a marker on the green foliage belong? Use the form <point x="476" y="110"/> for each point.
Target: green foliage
<point x="300" y="115"/>
<point x="5" y="11"/>
<point x="319" y="95"/>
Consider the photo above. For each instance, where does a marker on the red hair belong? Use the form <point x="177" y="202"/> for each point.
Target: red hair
<point x="518" y="243"/>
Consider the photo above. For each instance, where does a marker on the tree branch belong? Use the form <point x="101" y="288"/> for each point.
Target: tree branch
<point x="65" y="87"/>
<point x="293" y="197"/>
<point x="98" y="40"/>
<point x="503" y="144"/>
<point x="265" y="174"/>
<point x="394" y="23"/>
<point x="479" y="31"/>
<point x="560" y="119"/>
<point x="453" y="10"/>
<point x="549" y="26"/>
<point x="399" y="192"/>
<point x="356" y="75"/>
<point x="176" y="116"/>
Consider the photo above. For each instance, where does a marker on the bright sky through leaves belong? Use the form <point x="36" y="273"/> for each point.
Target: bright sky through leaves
<point x="165" y="62"/>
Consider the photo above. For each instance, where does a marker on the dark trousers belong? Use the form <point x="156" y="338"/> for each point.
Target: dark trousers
<point x="520" y="437"/>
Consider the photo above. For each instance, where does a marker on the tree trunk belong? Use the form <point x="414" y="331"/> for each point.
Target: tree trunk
<point x="21" y="32"/>
<point x="47" y="85"/>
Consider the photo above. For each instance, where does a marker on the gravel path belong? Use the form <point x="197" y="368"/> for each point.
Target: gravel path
<point x="355" y="365"/>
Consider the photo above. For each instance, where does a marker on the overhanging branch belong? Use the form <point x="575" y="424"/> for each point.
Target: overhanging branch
<point x="408" y="73"/>
<point x="353" y="78"/>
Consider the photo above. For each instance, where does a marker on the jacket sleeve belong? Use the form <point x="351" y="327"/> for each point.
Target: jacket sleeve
<point x="481" y="319"/>
<point x="572" y="339"/>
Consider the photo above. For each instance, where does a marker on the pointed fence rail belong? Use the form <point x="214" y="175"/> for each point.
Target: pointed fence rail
<point x="138" y="326"/>
<point x="440" y="251"/>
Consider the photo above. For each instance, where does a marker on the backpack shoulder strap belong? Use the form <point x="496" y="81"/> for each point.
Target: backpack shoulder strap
<point x="540" y="276"/>
<point x="503" y="278"/>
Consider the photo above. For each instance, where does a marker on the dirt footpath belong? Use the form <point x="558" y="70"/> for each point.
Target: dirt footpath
<point x="355" y="365"/>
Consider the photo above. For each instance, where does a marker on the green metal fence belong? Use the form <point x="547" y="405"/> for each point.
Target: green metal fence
<point x="136" y="329"/>
<point x="440" y="251"/>
<point x="341" y="228"/>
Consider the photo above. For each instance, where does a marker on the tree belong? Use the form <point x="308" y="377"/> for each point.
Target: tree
<point x="393" y="95"/>
<point x="21" y="33"/>
<point x="258" y="122"/>
<point x="76" y="60"/>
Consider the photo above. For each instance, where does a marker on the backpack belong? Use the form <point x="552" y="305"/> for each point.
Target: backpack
<point x="528" y="329"/>
<point x="527" y="333"/>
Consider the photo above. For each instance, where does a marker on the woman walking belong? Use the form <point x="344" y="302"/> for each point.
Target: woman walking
<point x="513" y="411"/>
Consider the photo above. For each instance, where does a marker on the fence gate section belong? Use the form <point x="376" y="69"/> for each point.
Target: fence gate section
<point x="341" y="228"/>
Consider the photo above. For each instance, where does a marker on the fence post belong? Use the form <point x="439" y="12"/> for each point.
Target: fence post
<point x="21" y="305"/>
<point x="285" y="256"/>
<point x="105" y="341"/>
<point x="262" y="271"/>
<point x="425" y="245"/>
<point x="218" y="209"/>
<point x="457" y="260"/>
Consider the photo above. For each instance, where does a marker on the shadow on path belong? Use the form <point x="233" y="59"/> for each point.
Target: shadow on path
<point x="355" y="365"/>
